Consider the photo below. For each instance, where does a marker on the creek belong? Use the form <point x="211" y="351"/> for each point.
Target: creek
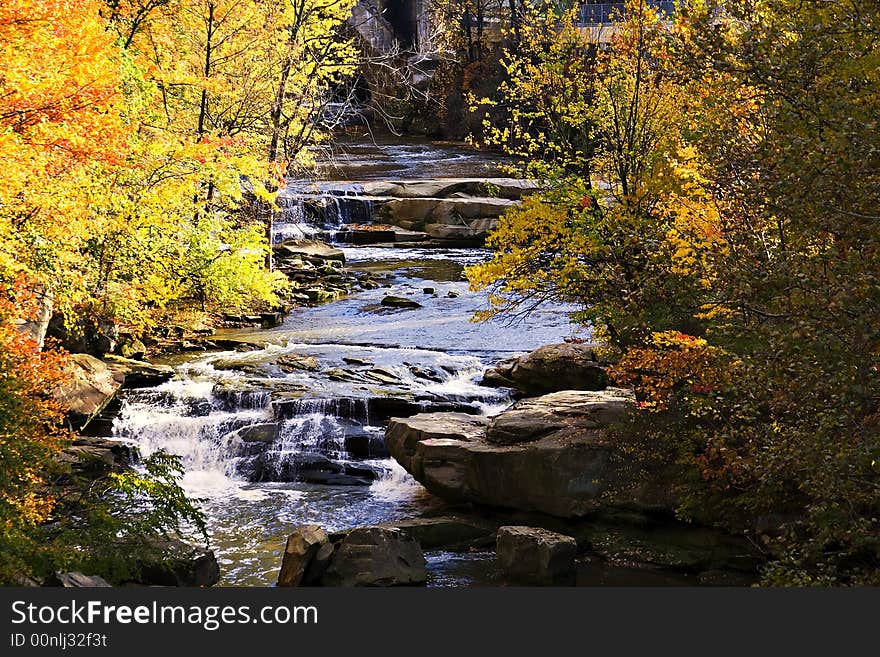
<point x="250" y="427"/>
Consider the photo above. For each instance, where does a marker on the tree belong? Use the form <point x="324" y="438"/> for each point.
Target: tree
<point x="723" y="239"/>
<point x="30" y="433"/>
<point x="607" y="133"/>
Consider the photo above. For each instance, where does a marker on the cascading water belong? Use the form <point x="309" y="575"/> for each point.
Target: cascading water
<point x="266" y="449"/>
<point x="309" y="212"/>
<point x="267" y="445"/>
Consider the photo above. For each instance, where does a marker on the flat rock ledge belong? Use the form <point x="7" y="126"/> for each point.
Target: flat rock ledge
<point x="548" y="454"/>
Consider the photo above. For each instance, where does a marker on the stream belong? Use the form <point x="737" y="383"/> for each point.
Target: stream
<point x="350" y="357"/>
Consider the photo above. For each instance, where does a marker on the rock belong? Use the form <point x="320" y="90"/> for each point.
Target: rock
<point x="405" y="434"/>
<point x="506" y="188"/>
<point x="302" y="547"/>
<point x="371" y="410"/>
<point x="133" y="349"/>
<point x="91" y="386"/>
<point x="570" y="471"/>
<point x="332" y="479"/>
<point x="447" y="532"/>
<point x="499" y="376"/>
<point x="382" y="408"/>
<point x="266" y="432"/>
<point x="235" y="393"/>
<point x="255" y="368"/>
<point x="241" y="345"/>
<point x="94" y="457"/>
<point x="418" y="214"/>
<point x="337" y="374"/>
<point x="268" y="364"/>
<point x="364" y="445"/>
<point x="271" y="320"/>
<point x="551" y="368"/>
<point x="188" y="345"/>
<point x="348" y="408"/>
<point x="318" y="565"/>
<point x="536" y="556"/>
<point x="429" y="290"/>
<point x="403" y="236"/>
<point x="178" y="564"/>
<point x="138" y="373"/>
<point x="530" y="419"/>
<point x="400" y="302"/>
<point x="76" y="580"/>
<point x="311" y="250"/>
<point x="427" y="374"/>
<point x="104" y="340"/>
<point x="376" y="556"/>
<point x="313" y="468"/>
<point x="293" y="362"/>
<point x="320" y="295"/>
<point x="101" y="424"/>
<point x="356" y="361"/>
<point x="382" y="376"/>
<point x="469" y="234"/>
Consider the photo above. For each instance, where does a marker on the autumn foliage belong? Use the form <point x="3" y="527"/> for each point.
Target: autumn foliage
<point x="142" y="143"/>
<point x="126" y="130"/>
<point x="30" y="429"/>
<point x="719" y="229"/>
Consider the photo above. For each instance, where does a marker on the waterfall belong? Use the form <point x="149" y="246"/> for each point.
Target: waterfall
<point x="310" y="215"/>
<point x="293" y="222"/>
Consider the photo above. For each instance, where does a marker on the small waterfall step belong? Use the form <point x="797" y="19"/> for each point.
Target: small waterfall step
<point x="454" y="210"/>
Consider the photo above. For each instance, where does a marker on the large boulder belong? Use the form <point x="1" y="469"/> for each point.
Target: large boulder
<point x="531" y="555"/>
<point x="138" y="373"/>
<point x="90" y="386"/>
<point x="513" y="461"/>
<point x="376" y="556"/>
<point x="530" y="419"/>
<point x="302" y="547"/>
<point x="554" y="367"/>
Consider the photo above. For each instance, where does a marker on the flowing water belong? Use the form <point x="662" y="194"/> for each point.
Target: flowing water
<point x="349" y="358"/>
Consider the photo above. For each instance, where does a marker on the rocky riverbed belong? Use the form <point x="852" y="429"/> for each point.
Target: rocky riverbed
<point x="376" y="420"/>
